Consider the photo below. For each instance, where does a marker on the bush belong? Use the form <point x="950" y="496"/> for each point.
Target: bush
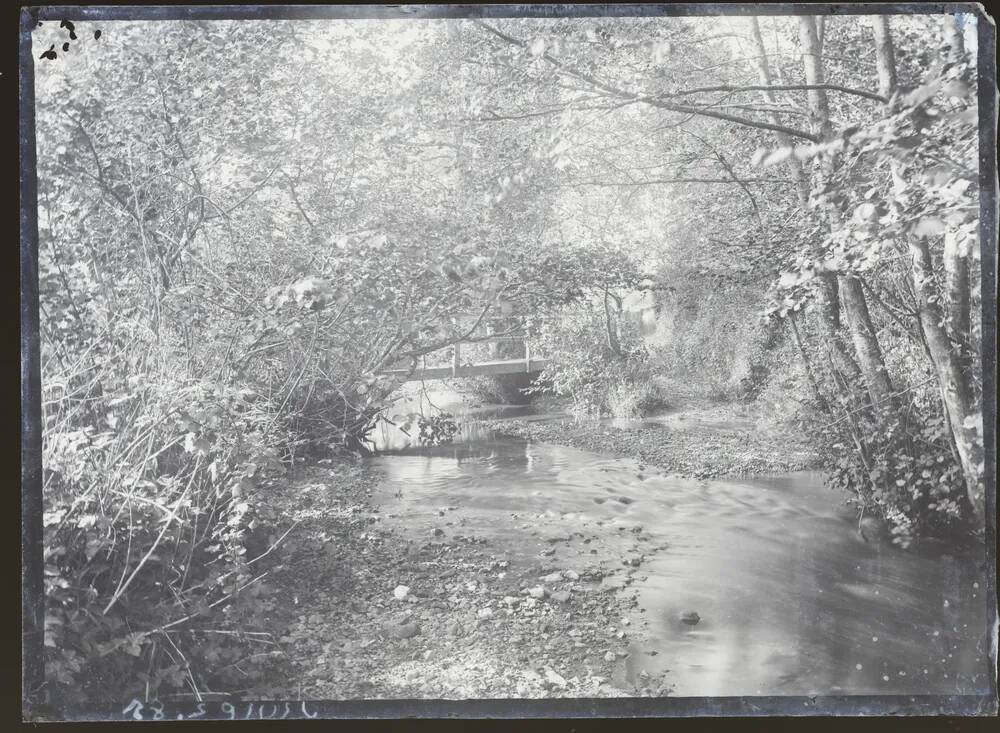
<point x="146" y="524"/>
<point x="907" y="472"/>
<point x="509" y="389"/>
<point x="597" y="379"/>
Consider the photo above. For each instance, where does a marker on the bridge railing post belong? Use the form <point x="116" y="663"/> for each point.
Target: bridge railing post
<point x="456" y="360"/>
<point x="527" y="357"/>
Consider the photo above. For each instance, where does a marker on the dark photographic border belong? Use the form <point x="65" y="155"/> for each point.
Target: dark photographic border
<point x="32" y="596"/>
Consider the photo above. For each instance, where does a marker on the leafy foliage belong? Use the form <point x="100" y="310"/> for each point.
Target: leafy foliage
<point x="244" y="226"/>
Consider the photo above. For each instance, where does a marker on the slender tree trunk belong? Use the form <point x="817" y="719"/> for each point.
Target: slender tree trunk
<point x="866" y="343"/>
<point x="953" y="38"/>
<point x="957" y="291"/>
<point x="613" y="343"/>
<point x="810" y="375"/>
<point x="859" y="324"/>
<point x="885" y="55"/>
<point x="828" y="299"/>
<point x="764" y="74"/>
<point x="957" y="284"/>
<point x="812" y="60"/>
<point x="956" y="391"/>
<point x="829" y="309"/>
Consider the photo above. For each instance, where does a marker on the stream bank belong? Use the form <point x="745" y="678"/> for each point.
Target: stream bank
<point x="699" y="442"/>
<point x="371" y="614"/>
<point x="498" y="566"/>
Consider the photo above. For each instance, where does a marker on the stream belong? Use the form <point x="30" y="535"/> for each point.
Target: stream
<point x="791" y="600"/>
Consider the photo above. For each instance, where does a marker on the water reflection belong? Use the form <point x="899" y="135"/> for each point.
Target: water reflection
<point x="791" y="600"/>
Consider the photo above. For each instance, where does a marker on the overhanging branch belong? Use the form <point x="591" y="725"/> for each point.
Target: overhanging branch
<point x="655" y="101"/>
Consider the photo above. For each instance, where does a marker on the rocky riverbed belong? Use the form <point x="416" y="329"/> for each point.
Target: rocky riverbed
<point x="373" y="609"/>
<point x="697" y="443"/>
<point x="369" y="614"/>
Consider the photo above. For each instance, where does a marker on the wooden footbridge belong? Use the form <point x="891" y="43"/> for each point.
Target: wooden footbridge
<point x="457" y="368"/>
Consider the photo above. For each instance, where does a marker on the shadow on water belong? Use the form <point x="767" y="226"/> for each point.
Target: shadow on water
<point x="791" y="600"/>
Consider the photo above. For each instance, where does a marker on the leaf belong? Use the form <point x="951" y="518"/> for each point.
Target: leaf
<point x="928" y="226"/>
<point x="865" y="212"/>
<point x="957" y="89"/>
<point x="777" y="156"/>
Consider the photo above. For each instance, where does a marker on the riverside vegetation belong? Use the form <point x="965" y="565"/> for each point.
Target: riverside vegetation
<point x="242" y="225"/>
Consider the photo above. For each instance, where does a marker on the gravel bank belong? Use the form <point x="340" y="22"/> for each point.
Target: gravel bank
<point x="368" y="614"/>
<point x="704" y="443"/>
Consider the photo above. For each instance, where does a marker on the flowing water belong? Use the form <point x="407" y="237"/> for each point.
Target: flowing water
<point x="791" y="600"/>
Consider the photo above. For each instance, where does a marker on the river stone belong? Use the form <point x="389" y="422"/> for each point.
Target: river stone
<point x="552" y="577"/>
<point x="571" y="575"/>
<point x="401" y="591"/>
<point x="402" y="631"/>
<point x="537" y="592"/>
<point x="555" y="678"/>
<point x="691" y="618"/>
<point x="561" y="596"/>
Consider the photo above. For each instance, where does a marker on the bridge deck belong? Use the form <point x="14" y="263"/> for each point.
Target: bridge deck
<point x="511" y="366"/>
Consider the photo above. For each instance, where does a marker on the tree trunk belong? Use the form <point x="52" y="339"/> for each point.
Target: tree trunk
<point x="866" y="344"/>
<point x="810" y="375"/>
<point x="859" y="324"/>
<point x="764" y="74"/>
<point x="953" y="38"/>
<point x="957" y="290"/>
<point x="613" y="345"/>
<point x="885" y="55"/>
<point x="956" y="264"/>
<point x="812" y="61"/>
<point x="956" y="391"/>
<point x="829" y="320"/>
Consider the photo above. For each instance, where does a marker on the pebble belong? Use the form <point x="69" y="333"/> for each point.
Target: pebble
<point x="555" y="678"/>
<point x="560" y="596"/>
<point x="610" y="657"/>
<point x="552" y="577"/>
<point x="537" y="592"/>
<point x="402" y="631"/>
<point x="401" y="591"/>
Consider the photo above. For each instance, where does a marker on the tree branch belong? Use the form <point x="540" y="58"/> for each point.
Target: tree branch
<point x="668" y="181"/>
<point x="655" y="101"/>
<point x="778" y="88"/>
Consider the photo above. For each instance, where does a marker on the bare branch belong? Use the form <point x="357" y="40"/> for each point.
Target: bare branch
<point x="777" y="88"/>
<point x="656" y="101"/>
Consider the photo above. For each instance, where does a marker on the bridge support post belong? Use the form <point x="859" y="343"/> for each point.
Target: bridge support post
<point x="456" y="360"/>
<point x="527" y="357"/>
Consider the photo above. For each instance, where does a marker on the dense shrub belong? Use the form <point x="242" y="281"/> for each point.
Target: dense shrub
<point x="902" y="467"/>
<point x="509" y="389"/>
<point x="150" y="589"/>
<point x="705" y="340"/>
<point x="597" y="378"/>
